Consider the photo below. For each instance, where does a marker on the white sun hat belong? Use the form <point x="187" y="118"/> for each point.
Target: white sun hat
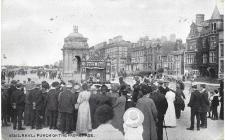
<point x="133" y="117"/>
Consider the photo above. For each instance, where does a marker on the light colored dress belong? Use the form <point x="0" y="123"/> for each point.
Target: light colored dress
<point x="84" y="115"/>
<point x="170" y="117"/>
<point x="107" y="132"/>
<point x="133" y="133"/>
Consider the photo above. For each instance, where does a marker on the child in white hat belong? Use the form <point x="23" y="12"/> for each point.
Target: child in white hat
<point x="133" y="128"/>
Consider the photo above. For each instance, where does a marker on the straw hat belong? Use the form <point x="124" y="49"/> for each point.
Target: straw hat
<point x="77" y="87"/>
<point x="133" y="117"/>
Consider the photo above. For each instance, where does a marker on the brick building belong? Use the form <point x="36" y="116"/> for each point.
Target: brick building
<point x="116" y="49"/>
<point x="202" y="52"/>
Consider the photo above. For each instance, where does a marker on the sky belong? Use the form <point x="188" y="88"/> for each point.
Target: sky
<point x="33" y="31"/>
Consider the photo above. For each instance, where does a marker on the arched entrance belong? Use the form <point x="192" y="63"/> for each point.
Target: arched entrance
<point x="78" y="63"/>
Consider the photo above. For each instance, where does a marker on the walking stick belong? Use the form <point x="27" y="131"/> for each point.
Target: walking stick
<point x="165" y="129"/>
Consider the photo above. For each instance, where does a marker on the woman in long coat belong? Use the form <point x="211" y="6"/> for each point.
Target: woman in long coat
<point x="148" y="108"/>
<point x="84" y="115"/>
<point x="170" y="117"/>
<point x="179" y="100"/>
<point x="119" y="109"/>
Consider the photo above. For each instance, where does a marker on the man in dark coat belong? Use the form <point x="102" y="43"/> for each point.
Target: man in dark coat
<point x="195" y="104"/>
<point x="9" y="106"/>
<point x="44" y="112"/>
<point x="4" y="103"/>
<point x="161" y="88"/>
<point x="97" y="100"/>
<point x="37" y="101"/>
<point x="75" y="92"/>
<point x="205" y="105"/>
<point x="66" y="108"/>
<point x="137" y="89"/>
<point x="28" y="106"/>
<point x="18" y="102"/>
<point x="52" y="106"/>
<point x="161" y="105"/>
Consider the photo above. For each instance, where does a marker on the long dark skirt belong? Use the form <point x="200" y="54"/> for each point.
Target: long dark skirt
<point x="27" y="114"/>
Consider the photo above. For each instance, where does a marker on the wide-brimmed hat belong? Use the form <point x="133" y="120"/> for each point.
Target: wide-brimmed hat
<point x="77" y="87"/>
<point x="133" y="117"/>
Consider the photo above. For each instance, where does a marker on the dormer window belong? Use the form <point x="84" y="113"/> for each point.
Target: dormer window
<point x="213" y="26"/>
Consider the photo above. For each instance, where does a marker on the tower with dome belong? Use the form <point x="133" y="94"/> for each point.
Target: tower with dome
<point x="74" y="49"/>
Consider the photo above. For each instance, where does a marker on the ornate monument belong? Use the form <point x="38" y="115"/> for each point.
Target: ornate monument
<point x="74" y="49"/>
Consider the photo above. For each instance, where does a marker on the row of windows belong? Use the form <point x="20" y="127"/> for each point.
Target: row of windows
<point x="212" y="58"/>
<point x="190" y="58"/>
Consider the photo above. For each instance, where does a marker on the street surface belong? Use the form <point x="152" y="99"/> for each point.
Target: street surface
<point x="215" y="130"/>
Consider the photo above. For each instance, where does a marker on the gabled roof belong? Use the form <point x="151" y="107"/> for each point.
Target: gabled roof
<point x="216" y="13"/>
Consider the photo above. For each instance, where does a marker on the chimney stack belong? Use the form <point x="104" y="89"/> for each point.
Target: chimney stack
<point x="199" y="18"/>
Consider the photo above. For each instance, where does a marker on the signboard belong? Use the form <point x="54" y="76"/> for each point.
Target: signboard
<point x="95" y="64"/>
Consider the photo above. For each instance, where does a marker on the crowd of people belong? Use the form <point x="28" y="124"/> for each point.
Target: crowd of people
<point x="105" y="110"/>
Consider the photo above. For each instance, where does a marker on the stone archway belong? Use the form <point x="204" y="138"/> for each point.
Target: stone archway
<point x="77" y="60"/>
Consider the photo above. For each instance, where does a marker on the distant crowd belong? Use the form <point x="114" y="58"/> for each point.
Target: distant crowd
<point x="131" y="112"/>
